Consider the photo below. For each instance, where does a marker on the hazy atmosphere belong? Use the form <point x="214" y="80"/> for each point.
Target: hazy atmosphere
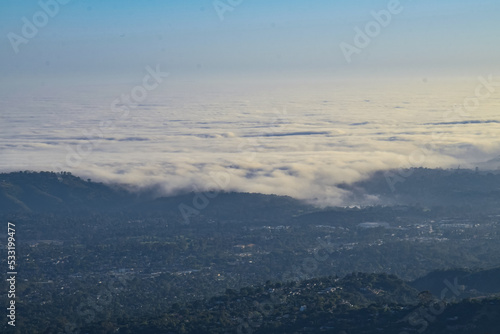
<point x="283" y="97"/>
<point x="250" y="166"/>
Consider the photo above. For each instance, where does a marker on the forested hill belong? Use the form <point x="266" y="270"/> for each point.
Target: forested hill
<point x="48" y="192"/>
<point x="472" y="283"/>
<point x="99" y="259"/>
<point x="431" y="187"/>
<point x="24" y="192"/>
<point x="357" y="303"/>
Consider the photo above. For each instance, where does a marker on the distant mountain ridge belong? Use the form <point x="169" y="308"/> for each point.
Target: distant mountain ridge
<point x="431" y="187"/>
<point x="49" y="192"/>
<point x="56" y="192"/>
<point x="473" y="283"/>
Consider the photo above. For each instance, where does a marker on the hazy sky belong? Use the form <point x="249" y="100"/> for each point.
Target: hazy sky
<point x="288" y="97"/>
<point x="117" y="38"/>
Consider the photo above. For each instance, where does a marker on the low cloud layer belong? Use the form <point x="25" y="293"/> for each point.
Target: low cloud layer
<point x="294" y="140"/>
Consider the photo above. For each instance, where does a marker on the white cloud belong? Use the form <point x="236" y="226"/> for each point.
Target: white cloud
<point x="300" y="141"/>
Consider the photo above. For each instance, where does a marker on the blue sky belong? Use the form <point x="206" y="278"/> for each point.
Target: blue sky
<point x="114" y="38"/>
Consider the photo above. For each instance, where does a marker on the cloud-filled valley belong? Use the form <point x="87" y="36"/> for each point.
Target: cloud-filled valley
<point x="300" y="140"/>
